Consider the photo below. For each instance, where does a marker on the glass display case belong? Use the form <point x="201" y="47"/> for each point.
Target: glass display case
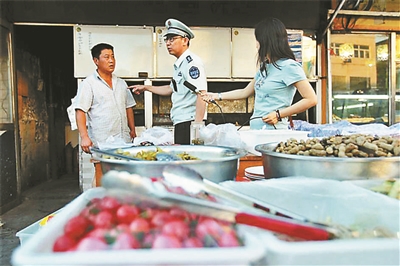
<point x="361" y="109"/>
<point x="363" y="88"/>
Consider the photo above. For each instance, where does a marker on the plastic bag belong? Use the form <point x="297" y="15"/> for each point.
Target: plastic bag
<point x="71" y="114"/>
<point x="221" y="135"/>
<point x="155" y="135"/>
<point x="346" y="128"/>
<point x="113" y="143"/>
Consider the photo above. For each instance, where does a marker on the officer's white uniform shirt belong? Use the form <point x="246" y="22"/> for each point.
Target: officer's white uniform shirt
<point x="188" y="67"/>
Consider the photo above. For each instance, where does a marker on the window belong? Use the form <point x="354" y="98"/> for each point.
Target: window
<point x="360" y="85"/>
<point x="335" y="48"/>
<point x="361" y="51"/>
<point x="339" y="84"/>
<point x="360" y="78"/>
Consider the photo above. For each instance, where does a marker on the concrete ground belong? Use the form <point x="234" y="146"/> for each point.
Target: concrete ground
<point x="37" y="203"/>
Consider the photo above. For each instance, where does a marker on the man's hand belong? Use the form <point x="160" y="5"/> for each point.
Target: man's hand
<point x="132" y="133"/>
<point x="86" y="143"/>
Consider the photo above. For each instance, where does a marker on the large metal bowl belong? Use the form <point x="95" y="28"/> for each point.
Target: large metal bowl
<point x="216" y="163"/>
<point x="283" y="165"/>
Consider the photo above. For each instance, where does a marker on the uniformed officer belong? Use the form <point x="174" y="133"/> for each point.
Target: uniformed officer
<point x="188" y="76"/>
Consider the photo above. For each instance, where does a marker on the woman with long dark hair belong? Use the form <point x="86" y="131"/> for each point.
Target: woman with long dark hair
<point x="276" y="81"/>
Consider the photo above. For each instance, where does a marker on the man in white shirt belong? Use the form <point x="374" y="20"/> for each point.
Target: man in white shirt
<point x="104" y="104"/>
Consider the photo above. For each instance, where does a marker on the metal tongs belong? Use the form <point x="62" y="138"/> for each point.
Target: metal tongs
<point x="143" y="188"/>
<point x="112" y="153"/>
<point x="160" y="156"/>
<point x="193" y="182"/>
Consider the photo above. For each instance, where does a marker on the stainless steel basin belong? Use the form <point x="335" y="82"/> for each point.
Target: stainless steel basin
<point x="216" y="163"/>
<point x="283" y="165"/>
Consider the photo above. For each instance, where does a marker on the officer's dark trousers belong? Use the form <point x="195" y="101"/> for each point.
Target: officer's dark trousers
<point x="182" y="133"/>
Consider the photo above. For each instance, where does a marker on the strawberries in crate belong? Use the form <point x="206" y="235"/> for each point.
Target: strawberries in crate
<point x="108" y="224"/>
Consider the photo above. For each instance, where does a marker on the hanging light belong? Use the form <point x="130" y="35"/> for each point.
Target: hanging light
<point x="346" y="52"/>
<point x="382" y="52"/>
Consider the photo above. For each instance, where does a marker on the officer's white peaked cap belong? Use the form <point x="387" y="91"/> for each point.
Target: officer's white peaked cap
<point x="176" y="27"/>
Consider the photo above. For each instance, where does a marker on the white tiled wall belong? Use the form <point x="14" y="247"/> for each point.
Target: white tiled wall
<point x="86" y="170"/>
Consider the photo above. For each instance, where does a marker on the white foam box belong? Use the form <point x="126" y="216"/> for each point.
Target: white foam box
<point x="38" y="250"/>
<point x="344" y="204"/>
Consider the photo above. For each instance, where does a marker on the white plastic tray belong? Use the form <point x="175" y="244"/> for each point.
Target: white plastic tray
<point x="25" y="234"/>
<point x="321" y="200"/>
<point x="38" y="250"/>
<point x="28" y="232"/>
<point x="332" y="252"/>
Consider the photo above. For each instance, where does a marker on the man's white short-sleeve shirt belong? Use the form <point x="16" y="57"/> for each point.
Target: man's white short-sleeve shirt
<point x="105" y="107"/>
